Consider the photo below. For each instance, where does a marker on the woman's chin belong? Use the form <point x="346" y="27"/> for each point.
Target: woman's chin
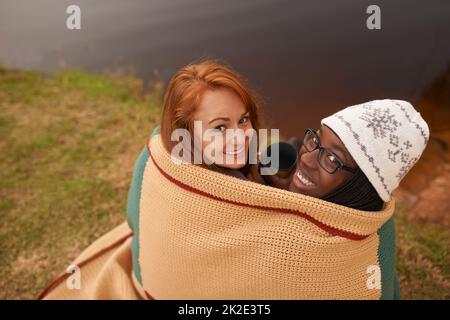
<point x="235" y="162"/>
<point x="236" y="166"/>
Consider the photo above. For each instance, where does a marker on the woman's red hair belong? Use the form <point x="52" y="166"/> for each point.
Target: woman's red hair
<point x="185" y="90"/>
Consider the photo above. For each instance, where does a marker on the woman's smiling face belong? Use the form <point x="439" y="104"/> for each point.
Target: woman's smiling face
<point x="310" y="178"/>
<point x="219" y="110"/>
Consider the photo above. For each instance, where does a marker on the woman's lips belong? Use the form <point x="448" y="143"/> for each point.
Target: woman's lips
<point x="302" y="181"/>
<point x="235" y="152"/>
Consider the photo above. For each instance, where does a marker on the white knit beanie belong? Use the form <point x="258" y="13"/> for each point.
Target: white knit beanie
<point x="384" y="137"/>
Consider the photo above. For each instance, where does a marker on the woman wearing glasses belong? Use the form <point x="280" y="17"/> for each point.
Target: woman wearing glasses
<point x="359" y="155"/>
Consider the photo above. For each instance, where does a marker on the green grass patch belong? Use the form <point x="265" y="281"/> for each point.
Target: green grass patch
<point x="423" y="258"/>
<point x="68" y="145"/>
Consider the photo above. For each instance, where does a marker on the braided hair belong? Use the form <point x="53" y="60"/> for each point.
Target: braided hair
<point x="357" y="193"/>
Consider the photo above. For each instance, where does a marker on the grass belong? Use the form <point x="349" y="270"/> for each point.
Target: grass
<point x="423" y="258"/>
<point x="68" y="145"/>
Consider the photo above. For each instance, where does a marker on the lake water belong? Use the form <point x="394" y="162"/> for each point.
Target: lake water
<point x="306" y="58"/>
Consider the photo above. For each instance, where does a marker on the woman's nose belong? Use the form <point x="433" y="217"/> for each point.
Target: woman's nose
<point x="235" y="136"/>
<point x="309" y="159"/>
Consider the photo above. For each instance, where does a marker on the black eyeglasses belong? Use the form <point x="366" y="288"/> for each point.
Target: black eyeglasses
<point x="327" y="159"/>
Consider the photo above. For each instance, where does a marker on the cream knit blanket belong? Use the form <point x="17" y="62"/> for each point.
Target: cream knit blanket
<point x="198" y="234"/>
<point x="205" y="235"/>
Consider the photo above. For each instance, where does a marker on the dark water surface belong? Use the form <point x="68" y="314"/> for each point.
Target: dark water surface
<point x="306" y="58"/>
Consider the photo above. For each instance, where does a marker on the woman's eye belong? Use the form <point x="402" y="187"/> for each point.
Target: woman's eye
<point x="333" y="159"/>
<point x="220" y="128"/>
<point x="243" y="120"/>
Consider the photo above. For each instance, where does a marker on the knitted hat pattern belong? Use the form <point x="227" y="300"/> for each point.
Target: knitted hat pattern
<point x="384" y="137"/>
